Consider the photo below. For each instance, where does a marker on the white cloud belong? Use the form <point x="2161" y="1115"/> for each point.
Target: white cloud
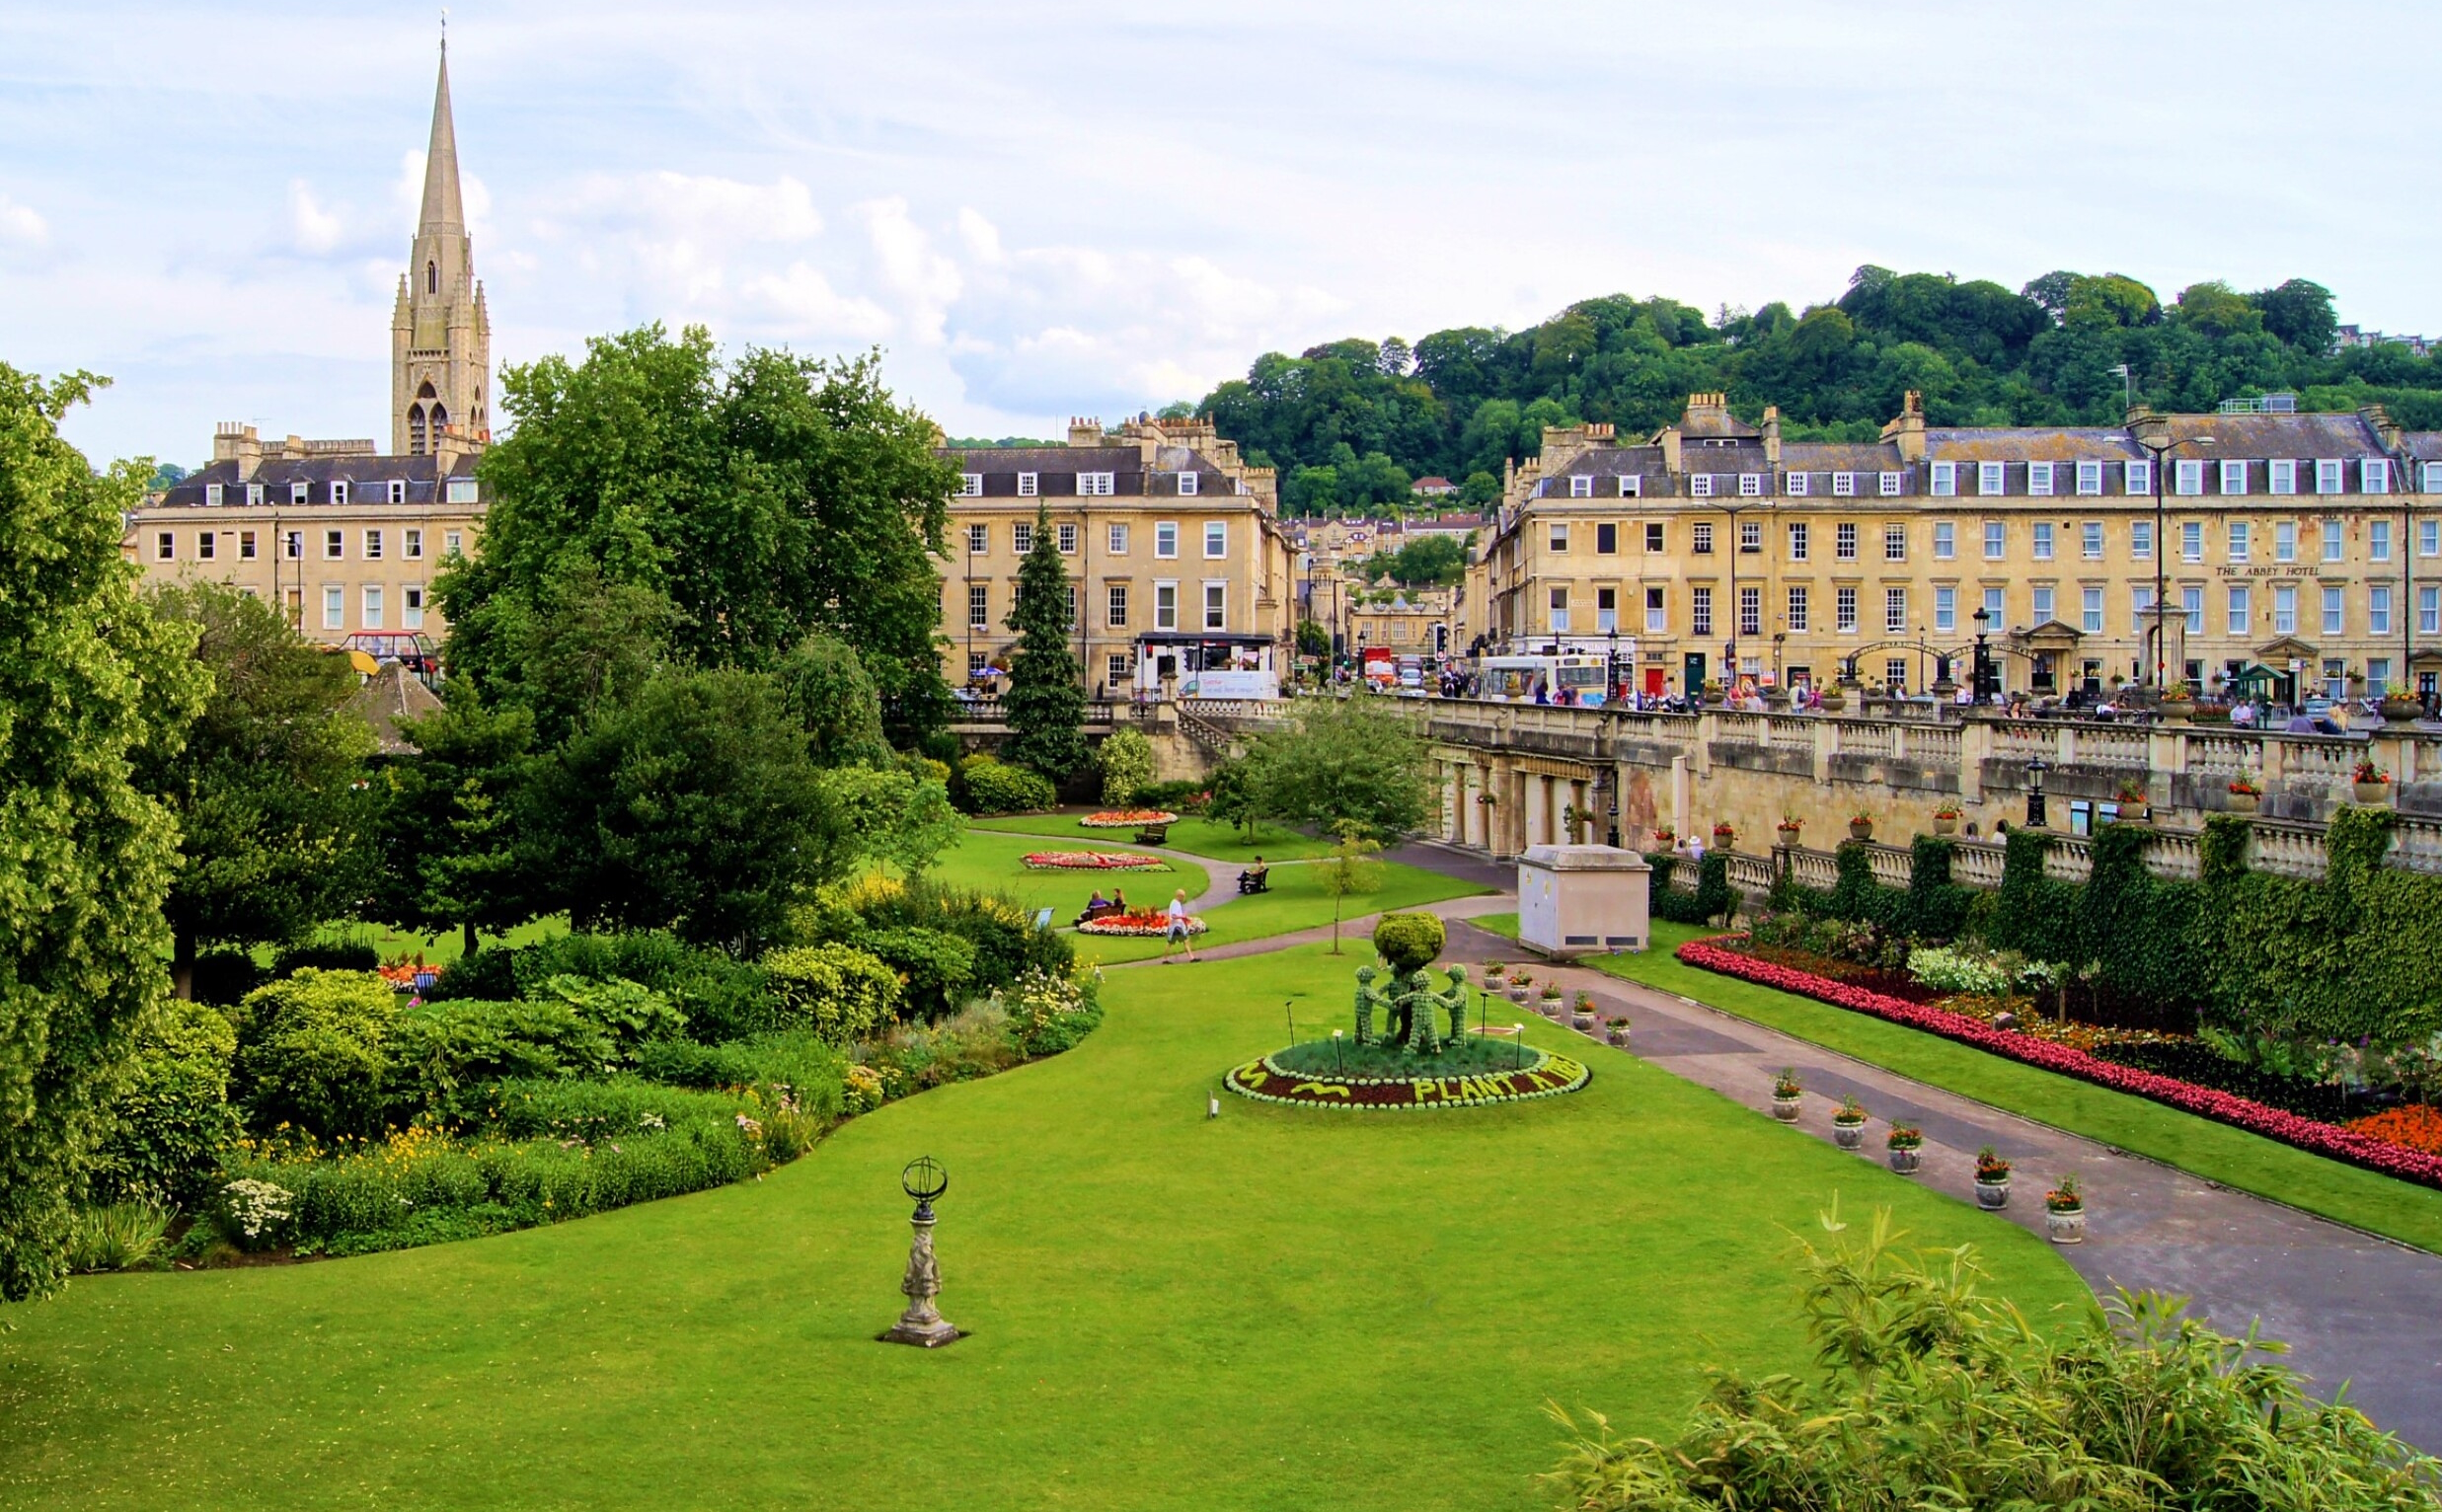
<point x="21" y="224"/>
<point x="806" y="306"/>
<point x="315" y="229"/>
<point x="907" y="266"/>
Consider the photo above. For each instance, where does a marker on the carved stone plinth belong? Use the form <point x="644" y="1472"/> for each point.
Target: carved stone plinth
<point x="921" y="1324"/>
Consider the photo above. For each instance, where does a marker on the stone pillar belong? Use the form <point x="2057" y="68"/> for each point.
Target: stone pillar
<point x="1473" y="819"/>
<point x="1538" y="801"/>
<point x="1679" y="785"/>
<point x="1975" y="746"/>
<point x="1454" y="799"/>
<point x="1708" y="731"/>
<point x="1826" y="742"/>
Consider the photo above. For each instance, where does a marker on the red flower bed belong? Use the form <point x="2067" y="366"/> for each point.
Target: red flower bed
<point x="1127" y="818"/>
<point x="2325" y="1139"/>
<point x="1143" y="921"/>
<point x="1093" y="860"/>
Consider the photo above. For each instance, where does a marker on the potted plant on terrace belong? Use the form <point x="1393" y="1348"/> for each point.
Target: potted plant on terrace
<point x="1849" y="1124"/>
<point x="2370" y="782"/>
<point x="2178" y="702"/>
<point x="2244" y="797"/>
<point x="1906" y="1143"/>
<point x="1549" y="1006"/>
<point x="2400" y="705"/>
<point x="1581" y="1015"/>
<point x="1992" y="1180"/>
<point x="1946" y="819"/>
<point x="1787" y="1091"/>
<point x="1724" y="836"/>
<point x="1615" y="1031"/>
<point x="2064" y="1212"/>
<point x="1789" y="827"/>
<point x="1664" y="838"/>
<point x="1519" y="983"/>
<point x="2131" y="792"/>
<point x="1493" y="971"/>
<point x="1861" y="826"/>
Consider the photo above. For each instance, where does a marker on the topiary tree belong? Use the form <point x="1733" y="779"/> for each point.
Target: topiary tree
<point x="1127" y="765"/>
<point x="1408" y="943"/>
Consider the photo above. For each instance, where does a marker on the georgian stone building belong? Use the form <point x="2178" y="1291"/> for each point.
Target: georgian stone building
<point x="1171" y="542"/>
<point x="342" y="537"/>
<point x="2294" y="554"/>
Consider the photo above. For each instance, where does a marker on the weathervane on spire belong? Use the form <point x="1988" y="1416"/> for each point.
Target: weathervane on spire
<point x="444" y="31"/>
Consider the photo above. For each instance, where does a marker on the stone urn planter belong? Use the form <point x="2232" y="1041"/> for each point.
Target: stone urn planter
<point x="2245" y="802"/>
<point x="1549" y="1005"/>
<point x="1833" y="702"/>
<point x="1860" y="829"/>
<point x="1518" y="993"/>
<point x="1581" y="1019"/>
<point x="1849" y="1136"/>
<point x="1786" y="1108"/>
<point x="1945" y="823"/>
<point x="1616" y="1034"/>
<point x="1726" y="840"/>
<point x="1789" y="834"/>
<point x="1906" y="1147"/>
<point x="2178" y="711"/>
<point x="2371" y="795"/>
<point x="2399" y="709"/>
<point x="1992" y="1196"/>
<point x="2065" y="1225"/>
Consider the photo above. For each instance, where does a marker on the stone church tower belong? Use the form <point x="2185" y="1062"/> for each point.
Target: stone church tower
<point x="440" y="335"/>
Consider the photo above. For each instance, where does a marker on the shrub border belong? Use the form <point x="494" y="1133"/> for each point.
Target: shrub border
<point x="1310" y="1090"/>
<point x="2308" y="1134"/>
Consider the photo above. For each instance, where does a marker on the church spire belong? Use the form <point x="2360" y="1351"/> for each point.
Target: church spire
<point x="443" y="214"/>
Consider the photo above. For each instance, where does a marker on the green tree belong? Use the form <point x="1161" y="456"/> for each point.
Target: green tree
<point x="1348" y="761"/>
<point x="825" y="682"/>
<point x="692" y="808"/>
<point x="763" y="499"/>
<point x="1126" y="759"/>
<point x="448" y="840"/>
<point x="89" y="683"/>
<point x="1313" y="640"/>
<point x="1350" y="868"/>
<point x="893" y="815"/>
<point x="275" y="825"/>
<point x="1046" y="699"/>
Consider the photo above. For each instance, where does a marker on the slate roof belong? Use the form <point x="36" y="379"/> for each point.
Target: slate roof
<point x="2031" y="443"/>
<point x="1055" y="469"/>
<point x="276" y="474"/>
<point x="1841" y="457"/>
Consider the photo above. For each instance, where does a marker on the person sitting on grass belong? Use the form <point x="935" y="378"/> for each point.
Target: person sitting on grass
<point x="1178" y="935"/>
<point x="1256" y="879"/>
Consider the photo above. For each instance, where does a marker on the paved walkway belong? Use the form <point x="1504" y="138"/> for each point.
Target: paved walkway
<point x="2353" y="1306"/>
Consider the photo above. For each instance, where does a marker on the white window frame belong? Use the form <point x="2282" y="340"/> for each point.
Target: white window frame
<point x="1632" y="486"/>
<point x="338" y="491"/>
<point x="971" y="485"/>
<point x="1189" y="484"/>
<point x="2089" y="609"/>
<point x="1115" y="540"/>
<point x="1895" y="541"/>
<point x="165" y="546"/>
<point x="300" y="492"/>
<point x="207" y="546"/>
<point x="213" y="493"/>
<point x="2039" y="543"/>
<point x="2136" y="478"/>
<point x="2429" y="609"/>
<point x="2141" y="540"/>
<point x="2334" y="543"/>
<point x="2089" y="478"/>
<point x="1945" y="608"/>
<point x="2239" y="610"/>
<point x="2378" y="609"/>
<point x="1064" y="535"/>
<point x="978" y="538"/>
<point x="1894" y="611"/>
<point x="1946" y="540"/>
<point x="1750" y="485"/>
<point x="451" y="543"/>
<point x="1793" y="485"/>
<point x="2044" y="603"/>
<point x="2233" y="476"/>
<point x="2328" y="474"/>
<point x="373" y="544"/>
<point x="397" y="491"/>
<point x="335" y="546"/>
<point x="1996" y="540"/>
<point x="1216" y="540"/>
<point x="1944" y="480"/>
<point x="1115" y="606"/>
<point x="1843" y="609"/>
<point x="1022" y="537"/>
<point x="2281" y="475"/>
<point x="1216" y="604"/>
<point x="1700" y="484"/>
<point x="2429" y="538"/>
<point x="2284" y="541"/>
<point x="412" y="606"/>
<point x="2378" y="540"/>
<point x="1844" y="541"/>
<point x="254" y="494"/>
<point x="1992" y="477"/>
<point x="2431" y="478"/>
<point x="1658" y="611"/>
<point x="1030" y="485"/>
<point x="2241" y="540"/>
<point x="1096" y="485"/>
<point x="1116" y="667"/>
<point x="2335" y="616"/>
<point x="1800" y="542"/>
<point x="2285" y="608"/>
<point x="980" y="606"/>
<point x="1799" y="609"/>
<point x="1843" y="485"/>
<point x="1557" y="537"/>
<point x="2039" y="479"/>
<point x="413" y="546"/>
<point x="333" y="606"/>
<point x="2191" y="541"/>
<point x="1580" y="485"/>
<point x="2187" y="477"/>
<point x="1165" y="540"/>
<point x="1700" y="609"/>
<point x="459" y="490"/>
<point x="1166" y="603"/>
<point x="1890" y="485"/>
<point x="2090" y="540"/>
<point x="2374" y="475"/>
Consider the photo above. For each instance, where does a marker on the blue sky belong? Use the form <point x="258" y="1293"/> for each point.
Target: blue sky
<point x="1050" y="210"/>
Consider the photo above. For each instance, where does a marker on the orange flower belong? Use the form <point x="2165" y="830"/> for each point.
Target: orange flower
<point x="2417" y="1126"/>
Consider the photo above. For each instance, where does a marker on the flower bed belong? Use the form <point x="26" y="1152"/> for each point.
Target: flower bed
<point x="1093" y="860"/>
<point x="1547" y="1076"/>
<point x="1147" y="922"/>
<point x="2417" y="1126"/>
<point x="1127" y="818"/>
<point x="2307" y="1134"/>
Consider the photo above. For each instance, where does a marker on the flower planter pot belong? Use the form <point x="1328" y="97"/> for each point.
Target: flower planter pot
<point x="2402" y="710"/>
<point x="2245" y="802"/>
<point x="1582" y="1022"/>
<point x="1722" y="842"/>
<point x="2371" y="795"/>
<point x="1848" y="1136"/>
<point x="1993" y="1196"/>
<point x="2066" y="1228"/>
<point x="1550" y="1008"/>
<point x="1789" y="835"/>
<point x="1905" y="1162"/>
<point x="1860" y="832"/>
<point x="1519" y="995"/>
<point x="2177" y="710"/>
<point x="1617" y="1037"/>
<point x="1786" y="1108"/>
<point x="1945" y="824"/>
<point x="1833" y="703"/>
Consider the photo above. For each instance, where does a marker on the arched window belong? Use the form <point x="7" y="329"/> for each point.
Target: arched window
<point x="440" y="420"/>
<point x="415" y="429"/>
<point x="424" y="389"/>
<point x="433" y="277"/>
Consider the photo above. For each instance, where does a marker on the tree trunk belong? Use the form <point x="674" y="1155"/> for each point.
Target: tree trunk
<point x="1337" y="900"/>
<point x="466" y="936"/>
<point x="183" y="964"/>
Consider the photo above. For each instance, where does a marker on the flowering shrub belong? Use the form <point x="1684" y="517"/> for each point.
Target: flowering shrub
<point x="1049" y="1013"/>
<point x="1127" y="818"/>
<point x="255" y="1206"/>
<point x="1141" y="921"/>
<point x="2418" y="1126"/>
<point x="1950" y="969"/>
<point x="2325" y="1139"/>
<point x="1091" y="861"/>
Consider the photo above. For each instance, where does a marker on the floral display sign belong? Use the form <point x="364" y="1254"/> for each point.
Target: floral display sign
<point x="2341" y="1143"/>
<point x="1548" y="1076"/>
<point x="1127" y="818"/>
<point x="1143" y="923"/>
<point x="1093" y="860"/>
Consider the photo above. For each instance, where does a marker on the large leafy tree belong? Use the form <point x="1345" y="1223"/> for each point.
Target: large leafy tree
<point x="448" y="840"/>
<point x="1352" y="765"/>
<point x="275" y="832"/>
<point x="1046" y="699"/>
<point x="89" y="684"/>
<point x="692" y="806"/>
<point x="761" y="500"/>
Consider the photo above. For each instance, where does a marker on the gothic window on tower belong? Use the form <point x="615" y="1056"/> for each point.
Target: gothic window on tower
<point x="440" y="423"/>
<point x="415" y="429"/>
<point x="433" y="277"/>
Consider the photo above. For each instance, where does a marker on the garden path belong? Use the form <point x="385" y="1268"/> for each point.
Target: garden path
<point x="2353" y="1306"/>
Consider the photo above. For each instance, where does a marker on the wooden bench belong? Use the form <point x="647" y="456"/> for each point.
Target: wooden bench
<point x="1153" y="834"/>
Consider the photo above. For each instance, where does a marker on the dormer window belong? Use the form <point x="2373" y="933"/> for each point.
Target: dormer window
<point x="2328" y="475"/>
<point x="1094" y="485"/>
<point x="254" y="494"/>
<point x="1944" y="479"/>
<point x="1991" y="476"/>
<point x="1843" y="485"/>
<point x="2374" y="476"/>
<point x="1581" y="486"/>
<point x="970" y="485"/>
<point x="338" y="491"/>
<point x="1632" y="486"/>
<point x="460" y="490"/>
<point x="213" y="494"/>
<point x="300" y="492"/>
<point x="1750" y="485"/>
<point x="2281" y="475"/>
<point x="2136" y="478"/>
<point x="2234" y="477"/>
<point x="1187" y="485"/>
<point x="2188" y="478"/>
<point x="1700" y="484"/>
<point x="1890" y="485"/>
<point x="2089" y="478"/>
<point x="2039" y="479"/>
<point x="397" y="491"/>
<point x="1027" y="485"/>
<point x="1795" y="485"/>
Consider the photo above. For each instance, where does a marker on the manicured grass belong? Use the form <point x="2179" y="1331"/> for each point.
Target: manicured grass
<point x="2217" y="1152"/>
<point x="996" y="863"/>
<point x="439" y="949"/>
<point x="1281" y="1307"/>
<point x="1296" y="901"/>
<point x="1196" y="836"/>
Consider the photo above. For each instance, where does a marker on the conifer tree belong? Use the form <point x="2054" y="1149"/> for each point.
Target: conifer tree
<point x="1046" y="701"/>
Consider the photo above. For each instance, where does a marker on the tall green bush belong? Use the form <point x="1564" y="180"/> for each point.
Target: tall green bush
<point x="1126" y="759"/>
<point x="989" y="787"/>
<point x="313" y="1053"/>
<point x="439" y="1051"/>
<point x="839" y="993"/>
<point x="172" y="1124"/>
<point x="1408" y="941"/>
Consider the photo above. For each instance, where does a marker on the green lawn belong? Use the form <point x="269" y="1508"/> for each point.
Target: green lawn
<point x="2217" y="1152"/>
<point x="440" y="950"/>
<point x="1278" y="1309"/>
<point x="1197" y="837"/>
<point x="1296" y="901"/>
<point x="996" y="863"/>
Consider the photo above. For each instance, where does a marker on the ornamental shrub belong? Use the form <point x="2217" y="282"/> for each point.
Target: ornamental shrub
<point x="439" y="1051"/>
<point x="837" y="993"/>
<point x="491" y="974"/>
<point x="325" y="955"/>
<point x="313" y="1052"/>
<point x="629" y="1012"/>
<point x="173" y="1122"/>
<point x="1048" y="1014"/>
<point x="719" y="996"/>
<point x="1951" y="970"/>
<point x="1714" y="900"/>
<point x="987" y="786"/>
<point x="1126" y="759"/>
<point x="225" y="976"/>
<point x="1408" y="941"/>
<point x="797" y="1060"/>
<point x="936" y="965"/>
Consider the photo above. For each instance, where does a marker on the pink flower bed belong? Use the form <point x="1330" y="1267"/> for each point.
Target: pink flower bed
<point x="2305" y="1133"/>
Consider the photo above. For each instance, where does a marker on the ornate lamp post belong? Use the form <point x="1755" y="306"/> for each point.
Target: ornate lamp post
<point x="1611" y="662"/>
<point x="921" y="1324"/>
<point x="1983" y="669"/>
<point x="2034" y="792"/>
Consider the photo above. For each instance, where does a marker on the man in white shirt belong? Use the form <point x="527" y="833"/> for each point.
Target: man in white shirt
<point x="1177" y="936"/>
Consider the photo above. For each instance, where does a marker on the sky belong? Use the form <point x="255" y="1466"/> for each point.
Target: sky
<point x="1052" y="209"/>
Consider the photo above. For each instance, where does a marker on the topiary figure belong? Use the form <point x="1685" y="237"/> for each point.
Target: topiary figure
<point x="1423" y="1037"/>
<point x="1408" y="943"/>
<point x="1364" y="1005"/>
<point x="1454" y="1001"/>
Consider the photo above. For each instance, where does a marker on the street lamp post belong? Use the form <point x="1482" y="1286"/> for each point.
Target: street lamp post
<point x="2154" y="434"/>
<point x="1982" y="671"/>
<point x="1611" y="662"/>
<point x="2035" y="769"/>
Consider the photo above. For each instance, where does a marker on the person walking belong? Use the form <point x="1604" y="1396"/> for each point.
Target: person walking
<point x="1177" y="936"/>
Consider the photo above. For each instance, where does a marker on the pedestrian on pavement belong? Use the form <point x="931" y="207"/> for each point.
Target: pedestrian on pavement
<point x="1178" y="935"/>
